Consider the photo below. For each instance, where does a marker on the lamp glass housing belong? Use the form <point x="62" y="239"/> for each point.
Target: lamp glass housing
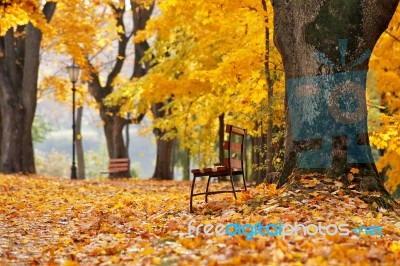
<point x="73" y="72"/>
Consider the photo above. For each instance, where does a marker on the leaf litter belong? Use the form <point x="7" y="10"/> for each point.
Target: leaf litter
<point x="57" y="221"/>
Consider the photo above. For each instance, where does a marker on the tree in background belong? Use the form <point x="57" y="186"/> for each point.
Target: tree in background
<point x="111" y="116"/>
<point x="206" y="62"/>
<point x="22" y="27"/>
<point x="101" y="48"/>
<point x="325" y="49"/>
<point x="39" y="129"/>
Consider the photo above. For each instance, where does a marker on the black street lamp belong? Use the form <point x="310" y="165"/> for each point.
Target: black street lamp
<point x="73" y="71"/>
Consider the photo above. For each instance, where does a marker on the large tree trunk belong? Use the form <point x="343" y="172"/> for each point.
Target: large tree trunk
<point x="163" y="168"/>
<point x="325" y="46"/>
<point x="19" y="66"/>
<point x="12" y="120"/>
<point x="113" y="130"/>
<point x="1" y="127"/>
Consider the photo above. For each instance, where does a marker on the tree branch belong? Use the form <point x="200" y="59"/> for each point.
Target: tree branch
<point x="391" y="35"/>
<point x="48" y="10"/>
<point x="122" y="44"/>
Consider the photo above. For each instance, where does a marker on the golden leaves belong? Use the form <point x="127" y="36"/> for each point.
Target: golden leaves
<point x="17" y="13"/>
<point x="208" y="60"/>
<point x="146" y="222"/>
<point x="387" y="73"/>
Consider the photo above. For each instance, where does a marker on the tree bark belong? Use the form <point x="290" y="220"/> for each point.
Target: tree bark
<point x="325" y="46"/>
<point x="221" y="134"/>
<point x="113" y="122"/>
<point x="163" y="168"/>
<point x="1" y="129"/>
<point x="127" y="140"/>
<point x="79" y="146"/>
<point x="270" y="93"/>
<point x="186" y="165"/>
<point x="19" y="66"/>
<point x="259" y="156"/>
<point x="113" y="130"/>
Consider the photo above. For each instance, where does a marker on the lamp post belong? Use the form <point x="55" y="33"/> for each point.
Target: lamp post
<point x="73" y="72"/>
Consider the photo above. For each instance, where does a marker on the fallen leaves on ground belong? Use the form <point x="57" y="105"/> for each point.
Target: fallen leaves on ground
<point x="57" y="221"/>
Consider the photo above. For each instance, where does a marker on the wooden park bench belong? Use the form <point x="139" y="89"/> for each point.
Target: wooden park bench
<point x="117" y="165"/>
<point x="231" y="166"/>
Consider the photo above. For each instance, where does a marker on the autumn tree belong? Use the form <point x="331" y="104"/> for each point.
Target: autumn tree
<point x="326" y="48"/>
<point x="22" y="25"/>
<point x="387" y="104"/>
<point x="111" y="116"/>
<point x="102" y="47"/>
<point x="208" y="64"/>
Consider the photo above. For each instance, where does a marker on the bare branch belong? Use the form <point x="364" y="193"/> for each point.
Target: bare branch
<point x="391" y="35"/>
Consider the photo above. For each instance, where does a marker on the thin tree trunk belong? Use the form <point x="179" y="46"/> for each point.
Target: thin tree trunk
<point x="255" y="159"/>
<point x="259" y="156"/>
<point x="127" y="140"/>
<point x="186" y="165"/>
<point x="325" y="48"/>
<point x="79" y="145"/>
<point x="221" y="134"/>
<point x="270" y="84"/>
<point x="181" y="159"/>
<point x="248" y="159"/>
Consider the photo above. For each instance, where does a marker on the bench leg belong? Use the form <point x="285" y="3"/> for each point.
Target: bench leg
<point x="233" y="187"/>
<point x="244" y="182"/>
<point x="208" y="184"/>
<point x="191" y="193"/>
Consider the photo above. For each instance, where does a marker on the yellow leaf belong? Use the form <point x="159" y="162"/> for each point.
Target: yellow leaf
<point x="354" y="170"/>
<point x="147" y="251"/>
<point x="119" y="236"/>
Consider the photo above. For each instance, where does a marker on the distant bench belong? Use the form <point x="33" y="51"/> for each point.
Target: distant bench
<point x="117" y="165"/>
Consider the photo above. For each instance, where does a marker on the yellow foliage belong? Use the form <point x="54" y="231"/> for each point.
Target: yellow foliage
<point x="209" y="59"/>
<point x="386" y="64"/>
<point x="21" y="12"/>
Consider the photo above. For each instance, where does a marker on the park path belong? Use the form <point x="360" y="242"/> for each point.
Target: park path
<point x="55" y="221"/>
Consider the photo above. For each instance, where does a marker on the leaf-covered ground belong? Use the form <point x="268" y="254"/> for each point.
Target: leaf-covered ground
<point x="56" y="221"/>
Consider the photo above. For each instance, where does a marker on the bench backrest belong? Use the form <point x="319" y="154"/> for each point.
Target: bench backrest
<point x="234" y="147"/>
<point x="118" y="165"/>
